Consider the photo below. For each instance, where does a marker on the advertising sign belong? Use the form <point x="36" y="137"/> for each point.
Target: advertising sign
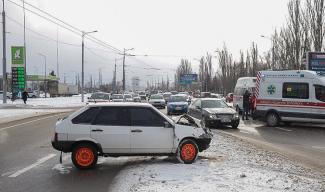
<point x="18" y="69"/>
<point x="188" y="79"/>
<point x="316" y="62"/>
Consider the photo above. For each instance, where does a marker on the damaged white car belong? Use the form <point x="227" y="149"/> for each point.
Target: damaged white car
<point x="128" y="129"/>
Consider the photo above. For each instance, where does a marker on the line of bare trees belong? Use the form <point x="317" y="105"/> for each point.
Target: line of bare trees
<point x="302" y="32"/>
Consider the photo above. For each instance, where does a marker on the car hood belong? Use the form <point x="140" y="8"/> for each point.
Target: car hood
<point x="220" y="110"/>
<point x="177" y="103"/>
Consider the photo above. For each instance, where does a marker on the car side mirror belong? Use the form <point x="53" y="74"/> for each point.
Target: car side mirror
<point x="198" y="107"/>
<point x="167" y="125"/>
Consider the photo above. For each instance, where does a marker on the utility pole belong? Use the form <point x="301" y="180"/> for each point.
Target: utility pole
<point x="57" y="53"/>
<point x="114" y="79"/>
<point x="124" y="53"/>
<point x="4" y="60"/>
<point x="25" y="57"/>
<point x="45" y="74"/>
<point x="83" y="62"/>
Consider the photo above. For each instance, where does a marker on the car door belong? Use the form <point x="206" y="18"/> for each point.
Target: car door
<point x="148" y="132"/>
<point x="81" y="123"/>
<point x="111" y="128"/>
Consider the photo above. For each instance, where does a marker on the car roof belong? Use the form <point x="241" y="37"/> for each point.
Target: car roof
<point x="205" y="99"/>
<point x="122" y="104"/>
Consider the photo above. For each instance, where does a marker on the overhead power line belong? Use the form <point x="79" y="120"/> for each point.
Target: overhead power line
<point x="63" y="24"/>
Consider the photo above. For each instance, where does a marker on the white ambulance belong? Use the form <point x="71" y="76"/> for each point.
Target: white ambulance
<point x="290" y="96"/>
<point x="243" y="84"/>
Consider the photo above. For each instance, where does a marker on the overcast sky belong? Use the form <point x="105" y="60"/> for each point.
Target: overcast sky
<point x="187" y="28"/>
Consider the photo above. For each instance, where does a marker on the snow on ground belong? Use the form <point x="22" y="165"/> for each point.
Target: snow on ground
<point x="57" y="102"/>
<point x="228" y="165"/>
<point x="8" y="115"/>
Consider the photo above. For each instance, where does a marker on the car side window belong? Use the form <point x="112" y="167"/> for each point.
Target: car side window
<point x="86" y="117"/>
<point x="112" y="116"/>
<point x="146" y="117"/>
<point x="320" y="93"/>
<point x="295" y="90"/>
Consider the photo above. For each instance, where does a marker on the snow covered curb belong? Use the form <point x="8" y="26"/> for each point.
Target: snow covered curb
<point x="229" y="165"/>
<point x="9" y="115"/>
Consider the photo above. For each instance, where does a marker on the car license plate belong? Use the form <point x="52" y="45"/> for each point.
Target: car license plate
<point x="225" y="120"/>
<point x="178" y="108"/>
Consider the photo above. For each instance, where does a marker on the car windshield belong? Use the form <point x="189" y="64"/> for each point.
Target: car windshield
<point x="167" y="95"/>
<point x="214" y="104"/>
<point x="185" y="93"/>
<point x="179" y="98"/>
<point x="127" y="96"/>
<point x="117" y="97"/>
<point x="156" y="97"/>
<point x="99" y="96"/>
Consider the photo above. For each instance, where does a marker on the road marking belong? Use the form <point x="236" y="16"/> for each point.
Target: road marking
<point x="28" y="122"/>
<point x="283" y="129"/>
<point x="37" y="163"/>
<point x="244" y="132"/>
<point x="318" y="147"/>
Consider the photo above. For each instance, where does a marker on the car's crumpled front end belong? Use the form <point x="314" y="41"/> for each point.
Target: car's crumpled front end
<point x="187" y="126"/>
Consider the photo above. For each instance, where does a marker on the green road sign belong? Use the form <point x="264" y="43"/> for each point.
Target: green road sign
<point x="17" y="56"/>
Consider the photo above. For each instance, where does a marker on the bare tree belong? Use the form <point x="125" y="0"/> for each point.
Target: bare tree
<point x="315" y="13"/>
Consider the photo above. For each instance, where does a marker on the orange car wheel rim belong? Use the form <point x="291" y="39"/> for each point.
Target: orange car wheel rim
<point x="84" y="157"/>
<point x="188" y="152"/>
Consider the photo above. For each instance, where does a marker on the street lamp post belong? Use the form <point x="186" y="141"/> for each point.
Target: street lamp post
<point x="4" y="60"/>
<point x="45" y="86"/>
<point x="83" y="63"/>
<point x="124" y="53"/>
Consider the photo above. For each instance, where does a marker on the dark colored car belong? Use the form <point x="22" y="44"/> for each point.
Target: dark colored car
<point x="214" y="113"/>
<point x="99" y="97"/>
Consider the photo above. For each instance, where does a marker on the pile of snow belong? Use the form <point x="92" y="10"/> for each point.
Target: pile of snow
<point x="229" y="165"/>
<point x="8" y="115"/>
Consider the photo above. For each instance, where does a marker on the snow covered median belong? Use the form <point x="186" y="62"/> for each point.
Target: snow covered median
<point x="229" y="165"/>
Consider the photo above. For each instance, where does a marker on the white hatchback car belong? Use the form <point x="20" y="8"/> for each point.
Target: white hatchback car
<point x="127" y="129"/>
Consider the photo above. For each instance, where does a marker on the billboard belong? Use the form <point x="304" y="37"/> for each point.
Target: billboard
<point x="316" y="62"/>
<point x="18" y="69"/>
<point x="188" y="79"/>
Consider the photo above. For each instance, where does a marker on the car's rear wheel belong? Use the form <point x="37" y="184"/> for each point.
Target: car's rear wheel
<point x="187" y="151"/>
<point x="272" y="119"/>
<point x="84" y="156"/>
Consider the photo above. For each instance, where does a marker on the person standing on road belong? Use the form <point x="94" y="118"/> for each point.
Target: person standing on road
<point x="246" y="104"/>
<point x="24" y="96"/>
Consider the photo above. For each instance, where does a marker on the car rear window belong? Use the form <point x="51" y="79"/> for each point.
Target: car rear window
<point x="86" y="117"/>
<point x="113" y="116"/>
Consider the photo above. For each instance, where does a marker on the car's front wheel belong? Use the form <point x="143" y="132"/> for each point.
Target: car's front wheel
<point x="235" y="125"/>
<point x="187" y="151"/>
<point x="84" y="156"/>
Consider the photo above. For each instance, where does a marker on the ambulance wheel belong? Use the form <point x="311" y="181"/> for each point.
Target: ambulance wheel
<point x="272" y="119"/>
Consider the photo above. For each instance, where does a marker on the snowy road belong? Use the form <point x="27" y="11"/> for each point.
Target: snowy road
<point x="28" y="163"/>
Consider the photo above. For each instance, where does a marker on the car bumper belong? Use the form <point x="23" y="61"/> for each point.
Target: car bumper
<point x="177" y="112"/>
<point x="158" y="104"/>
<point x="217" y="122"/>
<point x="204" y="141"/>
<point x="64" y="146"/>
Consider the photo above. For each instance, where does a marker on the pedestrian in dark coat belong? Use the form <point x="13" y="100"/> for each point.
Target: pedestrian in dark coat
<point x="24" y="96"/>
<point x="246" y="104"/>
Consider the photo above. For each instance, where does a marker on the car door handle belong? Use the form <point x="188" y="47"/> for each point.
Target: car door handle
<point x="136" y="131"/>
<point x="97" y="130"/>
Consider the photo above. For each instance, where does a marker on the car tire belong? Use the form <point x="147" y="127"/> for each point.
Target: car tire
<point x="272" y="119"/>
<point x="187" y="151"/>
<point x="33" y="96"/>
<point x="235" y="125"/>
<point x="84" y="156"/>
